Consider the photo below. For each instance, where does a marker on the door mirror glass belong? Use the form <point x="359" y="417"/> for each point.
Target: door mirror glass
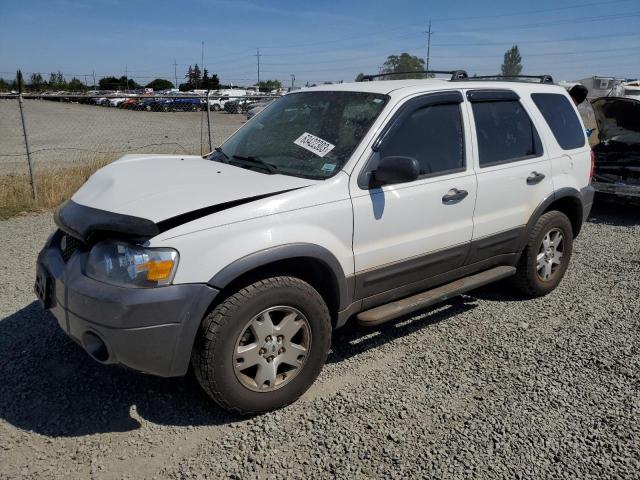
<point x="392" y="170"/>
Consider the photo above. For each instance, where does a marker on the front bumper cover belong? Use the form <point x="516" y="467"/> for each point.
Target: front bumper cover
<point x="147" y="329"/>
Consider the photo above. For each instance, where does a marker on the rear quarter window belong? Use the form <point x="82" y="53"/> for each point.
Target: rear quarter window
<point x="561" y="118"/>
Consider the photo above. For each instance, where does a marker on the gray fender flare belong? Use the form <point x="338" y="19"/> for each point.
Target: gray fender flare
<point x="286" y="252"/>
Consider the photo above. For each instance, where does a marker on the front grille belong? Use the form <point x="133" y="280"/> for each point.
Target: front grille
<point x="68" y="246"/>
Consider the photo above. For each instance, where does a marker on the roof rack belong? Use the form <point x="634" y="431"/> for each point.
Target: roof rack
<point x="455" y="74"/>
<point x="541" y="78"/>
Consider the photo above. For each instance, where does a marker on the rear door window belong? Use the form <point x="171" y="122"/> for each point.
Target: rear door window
<point x="505" y="132"/>
<point x="561" y="118"/>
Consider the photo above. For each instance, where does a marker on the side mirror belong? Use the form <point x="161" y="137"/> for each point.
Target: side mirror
<point x="395" y="170"/>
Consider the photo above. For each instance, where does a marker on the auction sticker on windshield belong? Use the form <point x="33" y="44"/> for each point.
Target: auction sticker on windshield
<point x="314" y="144"/>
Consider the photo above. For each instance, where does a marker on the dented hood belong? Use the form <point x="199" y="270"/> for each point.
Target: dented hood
<point x="144" y="195"/>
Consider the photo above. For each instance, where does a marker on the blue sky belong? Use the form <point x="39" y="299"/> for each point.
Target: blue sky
<point x="315" y="40"/>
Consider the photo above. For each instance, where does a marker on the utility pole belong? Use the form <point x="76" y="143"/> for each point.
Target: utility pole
<point x="202" y="62"/>
<point x="293" y="79"/>
<point x="126" y="79"/>
<point x="94" y="79"/>
<point x="428" y="44"/>
<point x="258" y="55"/>
<point x="175" y="73"/>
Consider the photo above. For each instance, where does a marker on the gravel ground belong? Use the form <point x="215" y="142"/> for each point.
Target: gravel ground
<point x="64" y="133"/>
<point x="486" y="386"/>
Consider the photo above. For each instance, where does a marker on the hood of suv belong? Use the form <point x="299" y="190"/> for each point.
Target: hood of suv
<point x="163" y="187"/>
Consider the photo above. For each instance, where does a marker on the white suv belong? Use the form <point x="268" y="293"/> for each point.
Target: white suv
<point x="365" y="200"/>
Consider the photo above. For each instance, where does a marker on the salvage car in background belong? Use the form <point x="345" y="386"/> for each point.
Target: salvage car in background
<point x="256" y="108"/>
<point x="617" y="155"/>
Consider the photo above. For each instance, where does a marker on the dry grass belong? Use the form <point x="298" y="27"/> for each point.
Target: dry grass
<point x="53" y="186"/>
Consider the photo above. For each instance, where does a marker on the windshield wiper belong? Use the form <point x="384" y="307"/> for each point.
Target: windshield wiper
<point x="226" y="157"/>
<point x="255" y="161"/>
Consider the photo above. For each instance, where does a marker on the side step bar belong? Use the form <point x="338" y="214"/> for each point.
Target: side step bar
<point x="389" y="311"/>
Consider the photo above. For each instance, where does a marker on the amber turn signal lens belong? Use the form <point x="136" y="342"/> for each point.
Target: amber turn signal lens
<point x="160" y="270"/>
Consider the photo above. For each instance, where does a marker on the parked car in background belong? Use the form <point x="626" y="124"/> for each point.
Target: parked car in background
<point x="240" y="105"/>
<point x="187" y="104"/>
<point x="257" y="107"/>
<point x="218" y="99"/>
<point x="617" y="154"/>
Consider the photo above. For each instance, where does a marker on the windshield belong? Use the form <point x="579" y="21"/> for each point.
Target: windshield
<point x="307" y="134"/>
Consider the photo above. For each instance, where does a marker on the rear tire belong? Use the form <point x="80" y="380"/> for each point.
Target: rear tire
<point x="259" y="320"/>
<point x="546" y="257"/>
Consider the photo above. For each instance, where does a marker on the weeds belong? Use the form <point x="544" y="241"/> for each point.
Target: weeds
<point x="53" y="186"/>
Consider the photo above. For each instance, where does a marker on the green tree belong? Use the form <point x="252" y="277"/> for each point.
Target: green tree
<point x="76" y="85"/>
<point x="360" y="77"/>
<point x="210" y="82"/>
<point x="159" y="84"/>
<point x="36" y="82"/>
<point x="4" y="85"/>
<point x="512" y="64"/>
<point x="268" y="85"/>
<point x="403" y="63"/>
<point x="57" y="81"/>
<point x="109" y="83"/>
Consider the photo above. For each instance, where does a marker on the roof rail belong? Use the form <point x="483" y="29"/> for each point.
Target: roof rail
<point x="455" y="74"/>
<point x="541" y="78"/>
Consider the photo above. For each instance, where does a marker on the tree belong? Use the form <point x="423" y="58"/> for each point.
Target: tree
<point x="512" y="62"/>
<point x="57" y="81"/>
<point x="36" y="82"/>
<point x="268" y="85"/>
<point x="403" y="63"/>
<point x="4" y="85"/>
<point x="109" y="83"/>
<point x="160" y="84"/>
<point x="360" y="77"/>
<point x="76" y="85"/>
<point x="193" y="77"/>
<point x="210" y="82"/>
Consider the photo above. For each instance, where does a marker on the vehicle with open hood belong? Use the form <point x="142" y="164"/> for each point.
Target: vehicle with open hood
<point x="617" y="155"/>
<point x="348" y="202"/>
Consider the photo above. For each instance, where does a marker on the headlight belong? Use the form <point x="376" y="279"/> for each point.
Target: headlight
<point x="130" y="265"/>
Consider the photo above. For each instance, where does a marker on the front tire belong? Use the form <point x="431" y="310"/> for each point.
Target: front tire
<point x="545" y="259"/>
<point x="263" y="347"/>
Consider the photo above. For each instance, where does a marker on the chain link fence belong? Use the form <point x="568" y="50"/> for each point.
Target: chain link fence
<point x="80" y="133"/>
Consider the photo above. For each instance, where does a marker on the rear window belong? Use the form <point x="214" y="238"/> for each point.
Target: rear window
<point x="561" y="118"/>
<point x="505" y="132"/>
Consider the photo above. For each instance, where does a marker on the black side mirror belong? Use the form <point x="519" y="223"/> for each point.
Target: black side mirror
<point x="395" y="170"/>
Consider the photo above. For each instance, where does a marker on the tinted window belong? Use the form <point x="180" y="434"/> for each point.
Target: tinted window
<point x="505" y="132"/>
<point x="433" y="136"/>
<point x="561" y="118"/>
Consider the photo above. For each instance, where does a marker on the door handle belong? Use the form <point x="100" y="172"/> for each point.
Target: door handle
<point x="454" y="196"/>
<point x="535" y="178"/>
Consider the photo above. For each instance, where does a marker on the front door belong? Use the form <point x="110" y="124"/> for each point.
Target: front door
<point x="408" y="232"/>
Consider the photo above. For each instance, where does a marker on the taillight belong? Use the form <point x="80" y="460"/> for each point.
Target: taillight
<point x="593" y="162"/>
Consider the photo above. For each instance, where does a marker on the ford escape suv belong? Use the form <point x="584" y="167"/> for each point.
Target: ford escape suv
<point x="363" y="201"/>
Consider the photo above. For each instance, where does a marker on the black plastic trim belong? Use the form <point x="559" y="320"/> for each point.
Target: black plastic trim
<point x="506" y="242"/>
<point x="83" y="222"/>
<point x="377" y="280"/>
<point x="286" y="252"/>
<point x="566" y="192"/>
<point x="427" y="283"/>
<point x="475" y="96"/>
<point x="187" y="217"/>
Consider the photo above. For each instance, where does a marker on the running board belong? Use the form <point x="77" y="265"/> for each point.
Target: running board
<point x="389" y="311"/>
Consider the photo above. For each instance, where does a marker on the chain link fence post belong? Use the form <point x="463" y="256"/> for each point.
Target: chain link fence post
<point x="26" y="137"/>
<point x="209" y="119"/>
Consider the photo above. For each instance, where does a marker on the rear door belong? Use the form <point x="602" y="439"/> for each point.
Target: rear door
<point x="408" y="232"/>
<point x="513" y="171"/>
